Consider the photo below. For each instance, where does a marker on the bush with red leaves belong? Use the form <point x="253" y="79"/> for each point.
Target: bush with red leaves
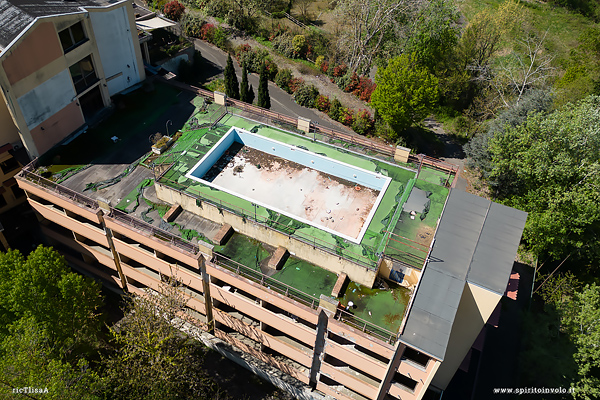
<point x="295" y="83"/>
<point x="174" y="10"/>
<point x="322" y="103"/>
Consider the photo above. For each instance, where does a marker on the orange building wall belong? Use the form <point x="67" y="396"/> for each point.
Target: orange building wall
<point x="38" y="49"/>
<point x="57" y="127"/>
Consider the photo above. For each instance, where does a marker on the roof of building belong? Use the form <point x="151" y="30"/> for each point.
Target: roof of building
<point x="476" y="242"/>
<point x="16" y="15"/>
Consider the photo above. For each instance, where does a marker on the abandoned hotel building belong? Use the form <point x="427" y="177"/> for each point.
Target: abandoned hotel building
<point x="326" y="263"/>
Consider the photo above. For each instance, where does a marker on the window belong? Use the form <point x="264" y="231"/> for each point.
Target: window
<point x="72" y="37"/>
<point x="9" y="165"/>
<point x="83" y="74"/>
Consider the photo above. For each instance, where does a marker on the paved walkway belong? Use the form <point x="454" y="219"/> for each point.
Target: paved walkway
<point x="281" y="101"/>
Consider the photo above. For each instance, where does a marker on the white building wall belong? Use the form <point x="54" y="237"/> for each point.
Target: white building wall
<point x="47" y="99"/>
<point x="115" y="45"/>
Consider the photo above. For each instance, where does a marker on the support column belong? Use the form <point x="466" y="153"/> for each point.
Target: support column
<point x="146" y="52"/>
<point x="115" y="254"/>
<point x="319" y="347"/>
<point x="386" y="382"/>
<point x="261" y="327"/>
<point x="207" y="298"/>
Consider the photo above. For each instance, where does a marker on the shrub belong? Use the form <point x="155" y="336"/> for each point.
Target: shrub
<point x="295" y="83"/>
<point x="300" y="46"/>
<point x="365" y="88"/>
<point x="363" y="123"/>
<point x="283" y="45"/>
<point x="277" y="30"/>
<point x="207" y="32"/>
<point x="346" y="116"/>
<point x="334" y="109"/>
<point x="322" y="103"/>
<point x="351" y="82"/>
<point x="325" y="67"/>
<point x="319" y="62"/>
<point x="216" y="8"/>
<point x="253" y="58"/>
<point x="306" y="95"/>
<point x="191" y="25"/>
<point x="340" y="70"/>
<point x="283" y="78"/>
<point x="174" y="10"/>
<point x="271" y="68"/>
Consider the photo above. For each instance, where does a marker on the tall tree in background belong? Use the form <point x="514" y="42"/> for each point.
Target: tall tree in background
<point x="244" y="89"/>
<point x="368" y="25"/>
<point x="232" y="88"/>
<point x="549" y="167"/>
<point x="251" y="95"/>
<point x="264" y="99"/>
<point x="406" y="92"/>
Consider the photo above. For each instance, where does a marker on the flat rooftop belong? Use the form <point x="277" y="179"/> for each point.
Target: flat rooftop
<point x="402" y="224"/>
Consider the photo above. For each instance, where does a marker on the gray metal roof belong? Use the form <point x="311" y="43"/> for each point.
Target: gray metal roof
<point x="16" y="15"/>
<point x="476" y="242"/>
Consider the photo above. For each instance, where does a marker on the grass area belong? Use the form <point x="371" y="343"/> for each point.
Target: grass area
<point x="135" y="111"/>
<point x="564" y="26"/>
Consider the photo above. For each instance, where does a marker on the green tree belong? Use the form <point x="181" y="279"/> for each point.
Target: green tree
<point x="244" y="89"/>
<point x="549" y="167"/>
<point x="581" y="322"/>
<point x="406" y="92"/>
<point x="433" y="34"/>
<point x="42" y="287"/>
<point x="27" y="359"/>
<point x="151" y="358"/>
<point x="251" y="95"/>
<point x="49" y="325"/>
<point x="232" y="88"/>
<point x="264" y="99"/>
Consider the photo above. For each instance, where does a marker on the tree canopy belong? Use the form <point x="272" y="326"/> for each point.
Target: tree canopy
<point x="232" y="88"/>
<point x="549" y="166"/>
<point x="406" y="92"/>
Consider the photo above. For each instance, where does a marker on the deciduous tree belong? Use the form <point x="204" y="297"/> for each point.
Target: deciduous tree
<point x="549" y="166"/>
<point x="406" y="92"/>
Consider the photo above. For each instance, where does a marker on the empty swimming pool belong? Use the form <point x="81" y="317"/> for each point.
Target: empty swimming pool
<point x="314" y="189"/>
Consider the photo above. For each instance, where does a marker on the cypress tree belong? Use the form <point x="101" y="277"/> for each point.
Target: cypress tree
<point x="244" y="90"/>
<point x="264" y="100"/>
<point x="231" y="83"/>
<point x="250" y="95"/>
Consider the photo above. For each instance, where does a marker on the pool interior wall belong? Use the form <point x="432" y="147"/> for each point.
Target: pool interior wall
<point x="308" y="159"/>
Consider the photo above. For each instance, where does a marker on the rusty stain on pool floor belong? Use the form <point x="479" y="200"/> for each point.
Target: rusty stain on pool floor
<point x="323" y="199"/>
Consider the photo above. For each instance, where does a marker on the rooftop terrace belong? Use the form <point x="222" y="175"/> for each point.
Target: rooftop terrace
<point x="401" y="227"/>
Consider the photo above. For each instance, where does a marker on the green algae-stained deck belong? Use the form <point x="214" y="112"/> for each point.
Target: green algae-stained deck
<point x="383" y="308"/>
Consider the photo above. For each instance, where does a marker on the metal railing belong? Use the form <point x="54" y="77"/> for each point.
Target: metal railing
<point x="268" y="223"/>
<point x="28" y="174"/>
<point x="366" y="327"/>
<point x="153" y="231"/>
<point x="265" y="281"/>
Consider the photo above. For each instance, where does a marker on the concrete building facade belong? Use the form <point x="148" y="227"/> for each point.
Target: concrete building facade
<point x="59" y="65"/>
<point x="306" y="344"/>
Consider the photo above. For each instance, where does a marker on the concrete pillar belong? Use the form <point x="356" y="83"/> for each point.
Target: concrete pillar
<point x="115" y="254"/>
<point x="220" y="98"/>
<point x="146" y="52"/>
<point x="304" y="124"/>
<point x="210" y="321"/>
<point x="402" y="154"/>
<point x="319" y="347"/>
<point x="386" y="382"/>
<point x="261" y="327"/>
